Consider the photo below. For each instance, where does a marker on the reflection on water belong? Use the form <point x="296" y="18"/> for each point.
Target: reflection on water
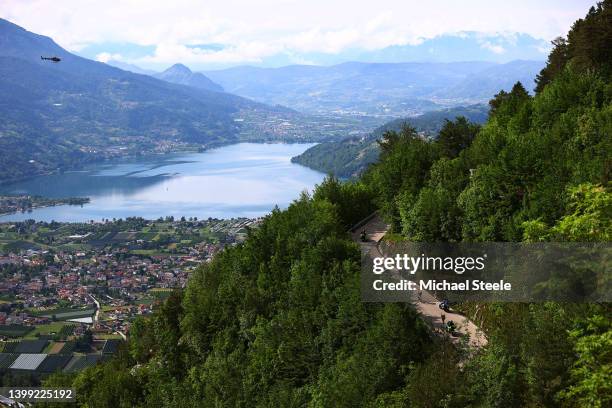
<point x="246" y="179"/>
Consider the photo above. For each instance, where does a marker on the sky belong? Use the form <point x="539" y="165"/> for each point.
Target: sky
<point x="212" y="34"/>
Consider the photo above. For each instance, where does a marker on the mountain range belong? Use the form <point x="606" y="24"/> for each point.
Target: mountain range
<point x="61" y="115"/>
<point x="362" y="88"/>
<point x="379" y="89"/>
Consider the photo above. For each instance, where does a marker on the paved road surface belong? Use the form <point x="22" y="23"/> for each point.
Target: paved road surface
<point x="427" y="304"/>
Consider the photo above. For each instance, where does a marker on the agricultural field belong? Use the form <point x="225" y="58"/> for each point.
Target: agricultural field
<point x="142" y="237"/>
<point x="59" y="330"/>
<point x="15" y="330"/>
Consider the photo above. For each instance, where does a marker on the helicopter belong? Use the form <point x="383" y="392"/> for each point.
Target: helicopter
<point x="54" y="59"/>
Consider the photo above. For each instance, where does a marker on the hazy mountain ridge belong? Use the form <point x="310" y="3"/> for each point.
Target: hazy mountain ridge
<point x="482" y="85"/>
<point x="382" y="89"/>
<point x="463" y="46"/>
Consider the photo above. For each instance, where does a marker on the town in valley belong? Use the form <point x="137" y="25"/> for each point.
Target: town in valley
<point x="69" y="291"/>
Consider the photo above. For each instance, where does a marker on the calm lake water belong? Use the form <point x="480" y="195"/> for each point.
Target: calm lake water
<point x="240" y="180"/>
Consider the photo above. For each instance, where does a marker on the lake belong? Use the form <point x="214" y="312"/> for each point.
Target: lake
<point x="240" y="180"/>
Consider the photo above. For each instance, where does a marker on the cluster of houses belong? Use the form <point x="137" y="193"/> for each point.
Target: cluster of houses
<point x="106" y="285"/>
<point x="74" y="276"/>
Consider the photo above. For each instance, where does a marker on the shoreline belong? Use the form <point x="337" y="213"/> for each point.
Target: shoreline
<point x="192" y="149"/>
<point x="202" y="204"/>
<point x="37" y="202"/>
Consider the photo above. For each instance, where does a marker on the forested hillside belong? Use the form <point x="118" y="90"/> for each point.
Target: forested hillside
<point x="278" y="320"/>
<point x="350" y="157"/>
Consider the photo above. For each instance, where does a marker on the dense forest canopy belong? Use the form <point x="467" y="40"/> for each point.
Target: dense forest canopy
<point x="278" y="320"/>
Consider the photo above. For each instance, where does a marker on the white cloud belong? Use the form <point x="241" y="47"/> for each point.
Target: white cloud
<point x="252" y="30"/>
<point x="494" y="48"/>
<point x="244" y="52"/>
<point x="330" y="41"/>
<point x="106" y="56"/>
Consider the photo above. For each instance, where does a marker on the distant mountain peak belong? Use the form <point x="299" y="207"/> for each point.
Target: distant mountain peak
<point x="179" y="68"/>
<point x="182" y="75"/>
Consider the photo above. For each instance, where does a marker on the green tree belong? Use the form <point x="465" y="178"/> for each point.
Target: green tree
<point x="455" y="136"/>
<point x="591" y="374"/>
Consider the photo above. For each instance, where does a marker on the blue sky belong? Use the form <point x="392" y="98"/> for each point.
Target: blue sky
<point x="215" y="34"/>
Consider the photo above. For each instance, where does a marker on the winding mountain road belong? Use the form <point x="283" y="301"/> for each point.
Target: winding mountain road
<point x="426" y="304"/>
